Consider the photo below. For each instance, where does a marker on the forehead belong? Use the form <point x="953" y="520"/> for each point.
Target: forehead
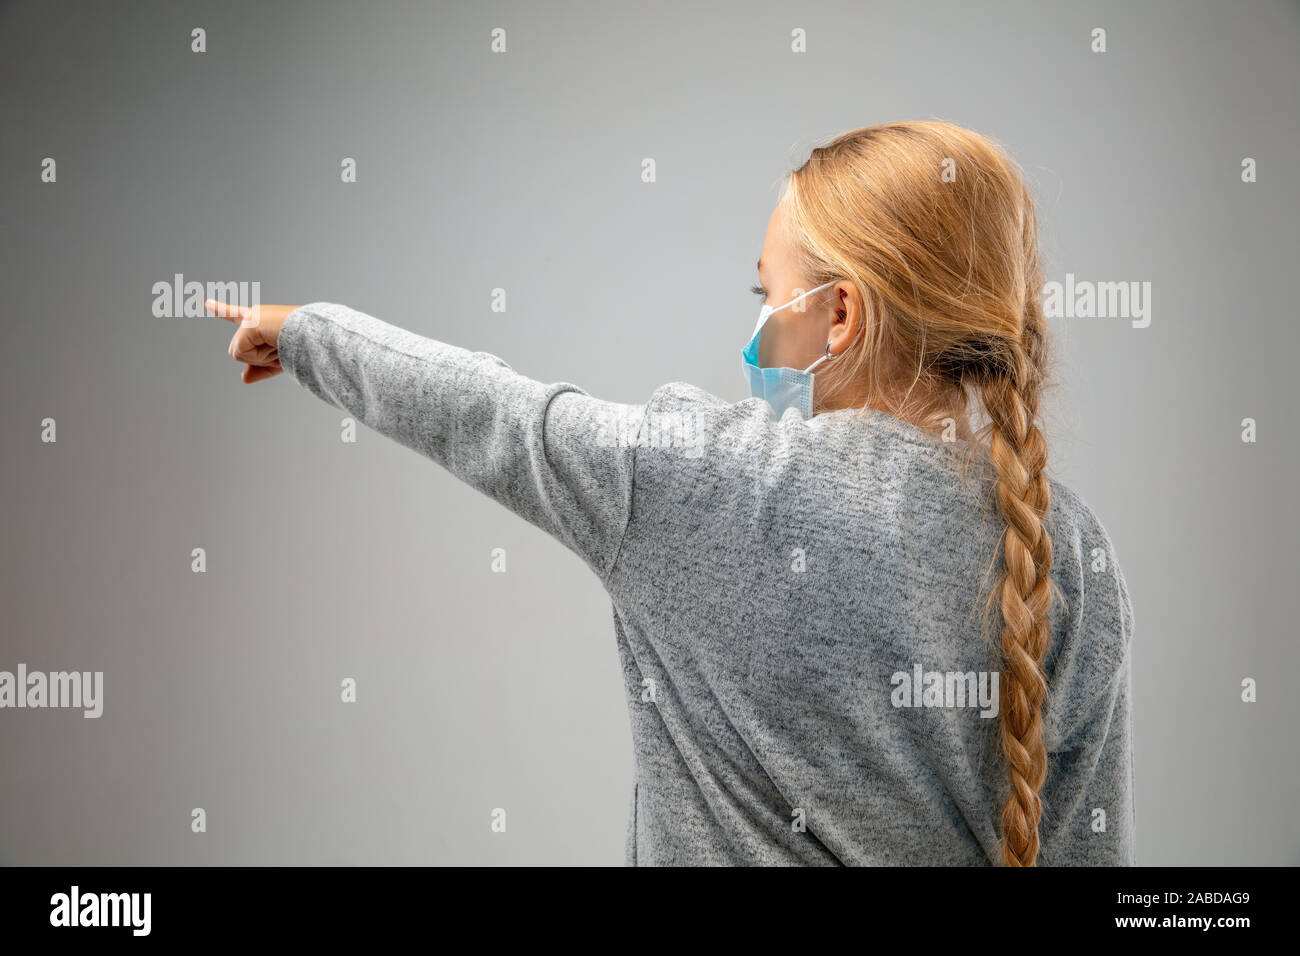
<point x="775" y="255"/>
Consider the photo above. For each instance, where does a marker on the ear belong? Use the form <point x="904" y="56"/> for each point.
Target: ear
<point x="848" y="316"/>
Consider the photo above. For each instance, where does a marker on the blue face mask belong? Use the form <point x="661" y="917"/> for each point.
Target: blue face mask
<point x="782" y="387"/>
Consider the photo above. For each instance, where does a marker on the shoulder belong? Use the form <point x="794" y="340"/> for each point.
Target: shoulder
<point x="1082" y="541"/>
<point x="682" y="397"/>
<point x="712" y="422"/>
<point x="1094" y="625"/>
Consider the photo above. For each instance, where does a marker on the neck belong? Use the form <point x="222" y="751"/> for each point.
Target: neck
<point x="918" y="406"/>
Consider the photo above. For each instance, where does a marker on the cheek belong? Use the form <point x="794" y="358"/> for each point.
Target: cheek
<point x="770" y="344"/>
<point x="789" y="340"/>
<point x="765" y="346"/>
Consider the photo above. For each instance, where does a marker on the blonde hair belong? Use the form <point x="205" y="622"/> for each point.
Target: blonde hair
<point x="936" y="228"/>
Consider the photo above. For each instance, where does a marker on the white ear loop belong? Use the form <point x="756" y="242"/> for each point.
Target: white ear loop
<point x="828" y="356"/>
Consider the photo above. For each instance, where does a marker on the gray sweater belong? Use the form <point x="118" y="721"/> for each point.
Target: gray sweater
<point x="797" y="606"/>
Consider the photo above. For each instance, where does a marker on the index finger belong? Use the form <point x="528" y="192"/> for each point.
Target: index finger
<point x="232" y="313"/>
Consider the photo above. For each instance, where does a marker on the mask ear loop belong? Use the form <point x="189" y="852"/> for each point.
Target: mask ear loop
<point x="825" y="358"/>
<point x="828" y="357"/>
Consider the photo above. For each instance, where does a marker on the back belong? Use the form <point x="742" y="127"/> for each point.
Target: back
<point x="797" y="608"/>
<point x="774" y="584"/>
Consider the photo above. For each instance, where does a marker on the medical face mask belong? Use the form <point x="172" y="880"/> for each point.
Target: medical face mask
<point x="782" y="387"/>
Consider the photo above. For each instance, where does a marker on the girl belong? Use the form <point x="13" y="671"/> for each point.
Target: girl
<point x="854" y="628"/>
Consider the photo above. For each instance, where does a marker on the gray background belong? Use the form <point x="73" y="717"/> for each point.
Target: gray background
<point x="327" y="560"/>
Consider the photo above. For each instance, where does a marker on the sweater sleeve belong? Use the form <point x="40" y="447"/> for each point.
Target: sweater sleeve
<point x="1095" y="758"/>
<point x="1100" y="765"/>
<point x="550" y="453"/>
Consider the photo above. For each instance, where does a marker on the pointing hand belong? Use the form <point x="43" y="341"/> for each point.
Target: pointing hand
<point x="256" y="341"/>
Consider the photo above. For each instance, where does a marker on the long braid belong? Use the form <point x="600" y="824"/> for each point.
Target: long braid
<point x="1019" y="453"/>
<point x="949" y="280"/>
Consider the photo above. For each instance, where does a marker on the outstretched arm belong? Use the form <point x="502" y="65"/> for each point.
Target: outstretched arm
<point x="549" y="452"/>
